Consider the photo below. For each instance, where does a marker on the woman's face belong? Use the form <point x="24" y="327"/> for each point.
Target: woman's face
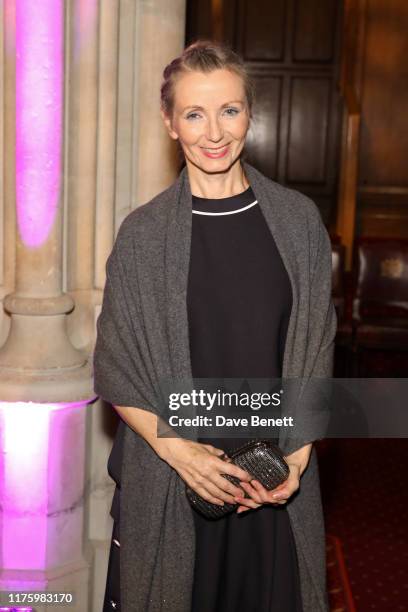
<point x="210" y="118"/>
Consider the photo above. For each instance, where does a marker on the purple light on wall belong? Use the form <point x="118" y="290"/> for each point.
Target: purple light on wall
<point x="39" y="110"/>
<point x="8" y="609"/>
<point x="19" y="609"/>
<point x="34" y="439"/>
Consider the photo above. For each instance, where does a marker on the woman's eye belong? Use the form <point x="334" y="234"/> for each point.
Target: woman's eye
<point x="231" y="111"/>
<point x="193" y="116"/>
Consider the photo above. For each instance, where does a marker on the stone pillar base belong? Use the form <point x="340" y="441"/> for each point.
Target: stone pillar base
<point x="48" y="387"/>
<point x="72" y="578"/>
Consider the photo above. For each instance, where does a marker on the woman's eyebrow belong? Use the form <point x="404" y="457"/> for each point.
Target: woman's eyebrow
<point x="232" y="102"/>
<point x="201" y="108"/>
<point x="192" y="108"/>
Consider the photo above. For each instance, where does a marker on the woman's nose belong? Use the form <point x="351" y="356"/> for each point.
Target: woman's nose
<point x="215" y="132"/>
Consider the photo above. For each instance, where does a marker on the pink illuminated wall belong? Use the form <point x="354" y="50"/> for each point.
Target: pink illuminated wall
<point x="42" y="446"/>
<point x="35" y="478"/>
<point x="25" y="431"/>
<point x="39" y="116"/>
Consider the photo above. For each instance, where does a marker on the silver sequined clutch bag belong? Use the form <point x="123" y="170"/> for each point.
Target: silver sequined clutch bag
<point x="262" y="459"/>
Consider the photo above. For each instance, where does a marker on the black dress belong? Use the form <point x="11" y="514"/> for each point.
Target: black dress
<point x="239" y="301"/>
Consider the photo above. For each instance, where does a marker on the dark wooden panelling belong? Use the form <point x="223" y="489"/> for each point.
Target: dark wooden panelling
<point x="291" y="47"/>
<point x="383" y="214"/>
<point x="308" y="127"/>
<point x="314" y="30"/>
<point x="263" y="139"/>
<point x="230" y="21"/>
<point x="384" y="130"/>
<point x="198" y="20"/>
<point x="262" y="26"/>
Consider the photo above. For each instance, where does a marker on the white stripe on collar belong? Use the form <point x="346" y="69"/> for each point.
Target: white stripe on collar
<point x="228" y="212"/>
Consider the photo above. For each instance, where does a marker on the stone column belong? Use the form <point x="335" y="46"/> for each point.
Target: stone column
<point x="38" y="361"/>
<point x="86" y="156"/>
<point x="7" y="197"/>
<point x="161" y="27"/>
<point x="102" y="91"/>
<point x="45" y="382"/>
<point x="81" y="163"/>
<point x="151" y="33"/>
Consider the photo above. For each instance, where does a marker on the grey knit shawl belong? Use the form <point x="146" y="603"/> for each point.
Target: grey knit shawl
<point x="143" y="338"/>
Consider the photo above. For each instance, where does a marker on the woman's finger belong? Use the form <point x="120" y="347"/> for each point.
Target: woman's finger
<point x="241" y="509"/>
<point x="286" y="493"/>
<point x="263" y="493"/>
<point x="226" y="467"/>
<point x="250" y="503"/>
<point x="278" y="489"/>
<point x="252" y="492"/>
<point x="269" y="497"/>
<point x="225" y="485"/>
<point x="218" y="492"/>
<point x="210" y="498"/>
<point x="280" y="495"/>
<point x="212" y="473"/>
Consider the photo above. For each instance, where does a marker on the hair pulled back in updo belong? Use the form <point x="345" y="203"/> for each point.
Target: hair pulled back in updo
<point x="204" y="56"/>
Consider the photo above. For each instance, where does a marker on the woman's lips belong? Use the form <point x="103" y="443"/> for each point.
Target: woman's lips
<point x="216" y="153"/>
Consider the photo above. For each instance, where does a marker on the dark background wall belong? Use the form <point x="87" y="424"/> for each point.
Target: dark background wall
<point x="383" y="92"/>
<point x="295" y="50"/>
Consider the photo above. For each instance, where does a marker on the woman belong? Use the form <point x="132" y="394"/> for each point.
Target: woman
<point x="225" y="274"/>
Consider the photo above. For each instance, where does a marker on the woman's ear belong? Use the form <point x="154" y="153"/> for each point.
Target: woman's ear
<point x="167" y="123"/>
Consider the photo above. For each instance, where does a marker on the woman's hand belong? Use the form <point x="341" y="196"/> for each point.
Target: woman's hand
<point x="258" y="495"/>
<point x="200" y="466"/>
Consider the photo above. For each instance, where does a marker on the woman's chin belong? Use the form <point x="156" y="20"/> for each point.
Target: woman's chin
<point x="215" y="166"/>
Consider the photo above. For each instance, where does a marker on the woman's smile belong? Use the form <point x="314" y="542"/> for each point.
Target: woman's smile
<point x="215" y="153"/>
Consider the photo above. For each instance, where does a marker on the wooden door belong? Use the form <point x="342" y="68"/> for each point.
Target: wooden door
<point x="291" y="48"/>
